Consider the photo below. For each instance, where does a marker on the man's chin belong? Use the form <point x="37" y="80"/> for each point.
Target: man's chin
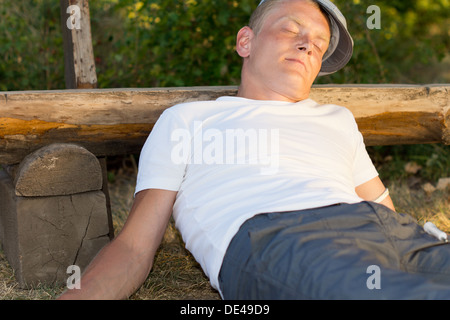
<point x="298" y="90"/>
<point x="295" y="95"/>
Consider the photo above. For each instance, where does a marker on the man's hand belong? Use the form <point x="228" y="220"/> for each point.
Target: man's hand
<point x="123" y="265"/>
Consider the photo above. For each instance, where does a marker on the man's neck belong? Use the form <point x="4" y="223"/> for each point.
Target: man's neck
<point x="267" y="94"/>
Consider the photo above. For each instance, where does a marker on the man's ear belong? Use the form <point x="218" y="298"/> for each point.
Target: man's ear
<point x="243" y="41"/>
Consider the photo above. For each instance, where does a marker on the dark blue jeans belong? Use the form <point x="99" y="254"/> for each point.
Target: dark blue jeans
<point x="345" y="251"/>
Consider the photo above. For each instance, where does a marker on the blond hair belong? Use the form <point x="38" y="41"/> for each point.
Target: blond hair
<point x="259" y="15"/>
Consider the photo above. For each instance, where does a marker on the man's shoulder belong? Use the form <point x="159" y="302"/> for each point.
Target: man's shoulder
<point x="197" y="109"/>
<point x="334" y="108"/>
<point x="189" y="105"/>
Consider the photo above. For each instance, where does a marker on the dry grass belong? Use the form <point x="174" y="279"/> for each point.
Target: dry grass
<point x="9" y="289"/>
<point x="176" y="275"/>
<point x="434" y="207"/>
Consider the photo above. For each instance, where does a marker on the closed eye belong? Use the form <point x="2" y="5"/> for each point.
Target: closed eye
<point x="291" y="31"/>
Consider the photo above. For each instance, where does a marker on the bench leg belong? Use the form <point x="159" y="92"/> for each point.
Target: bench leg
<point x="43" y="234"/>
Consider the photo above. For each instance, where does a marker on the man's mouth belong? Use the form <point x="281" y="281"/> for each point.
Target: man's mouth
<point x="296" y="61"/>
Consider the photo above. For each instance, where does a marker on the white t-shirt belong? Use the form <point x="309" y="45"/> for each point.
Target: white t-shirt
<point x="233" y="158"/>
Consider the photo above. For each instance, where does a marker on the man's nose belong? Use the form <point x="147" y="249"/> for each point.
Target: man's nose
<point x="304" y="44"/>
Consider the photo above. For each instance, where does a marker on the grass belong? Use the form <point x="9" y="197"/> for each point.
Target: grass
<point x="177" y="276"/>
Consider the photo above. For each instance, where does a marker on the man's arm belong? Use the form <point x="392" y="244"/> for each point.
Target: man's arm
<point x="123" y="265"/>
<point x="372" y="189"/>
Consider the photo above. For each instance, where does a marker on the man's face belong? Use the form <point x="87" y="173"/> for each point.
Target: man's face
<point x="285" y="57"/>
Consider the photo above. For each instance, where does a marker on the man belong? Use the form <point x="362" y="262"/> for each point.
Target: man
<point x="290" y="217"/>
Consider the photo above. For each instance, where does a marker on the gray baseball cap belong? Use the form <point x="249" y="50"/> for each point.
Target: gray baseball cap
<point x="340" y="49"/>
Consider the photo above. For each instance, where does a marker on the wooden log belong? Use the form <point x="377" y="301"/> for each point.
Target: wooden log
<point x="118" y="121"/>
<point x="58" y="169"/>
<point x="79" y="65"/>
<point x="79" y="60"/>
<point x="394" y="114"/>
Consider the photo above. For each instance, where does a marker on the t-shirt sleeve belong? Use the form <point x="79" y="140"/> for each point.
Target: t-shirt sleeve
<point x="363" y="167"/>
<point x="163" y="158"/>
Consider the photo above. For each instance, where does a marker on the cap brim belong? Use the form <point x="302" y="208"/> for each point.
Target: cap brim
<point x="343" y="52"/>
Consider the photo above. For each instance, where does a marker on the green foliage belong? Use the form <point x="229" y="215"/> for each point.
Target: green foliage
<point x="31" y="45"/>
<point x="154" y="43"/>
<point x="413" y="39"/>
<point x="433" y="159"/>
<point x="173" y="43"/>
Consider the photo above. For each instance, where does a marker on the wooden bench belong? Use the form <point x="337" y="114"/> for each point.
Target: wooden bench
<point x="117" y="121"/>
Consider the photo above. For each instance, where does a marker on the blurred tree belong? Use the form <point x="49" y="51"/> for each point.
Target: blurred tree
<point x="413" y="39"/>
<point x="31" y="45"/>
<point x="191" y="42"/>
<point x="177" y="43"/>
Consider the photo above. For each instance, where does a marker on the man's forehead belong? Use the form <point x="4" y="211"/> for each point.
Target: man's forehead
<point x="301" y="18"/>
